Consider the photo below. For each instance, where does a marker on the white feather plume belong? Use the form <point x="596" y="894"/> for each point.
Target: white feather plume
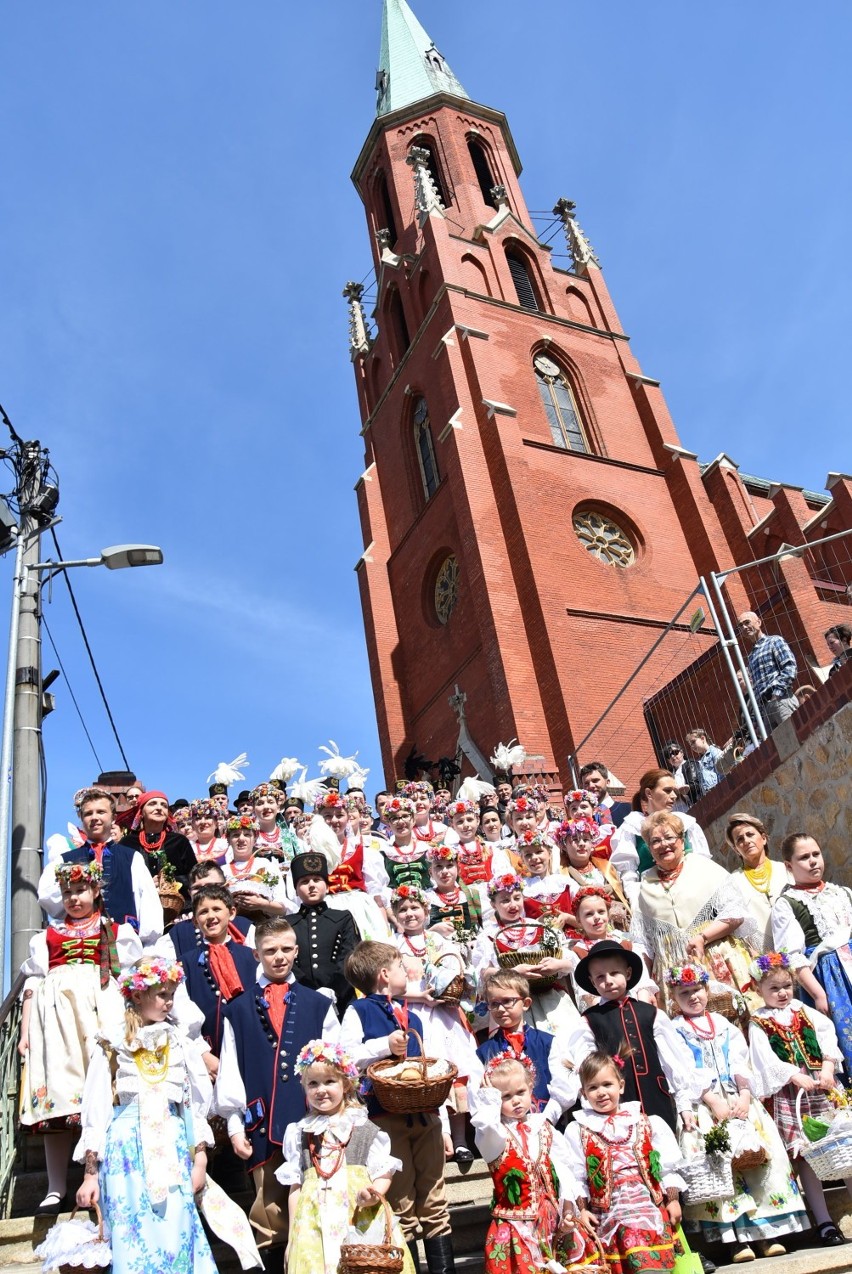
<point x="229" y="772"/>
<point x="507" y="755"/>
<point x="322" y="840"/>
<point x="474" y="789"/>
<point x="357" y="778"/>
<point x="285" y="769"/>
<point x="305" y="789"/>
<point x="340" y="767"/>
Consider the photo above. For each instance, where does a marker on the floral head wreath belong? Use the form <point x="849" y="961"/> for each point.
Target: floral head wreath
<point x="572" y="828"/>
<point x="591" y="891"/>
<point x="398" y="805"/>
<point x="320" y="1052"/>
<point x="263" y="789"/>
<point x="148" y="972"/>
<point x="442" y="854"/>
<point x="500" y="1059"/>
<point x="530" y="840"/>
<point x="203" y="809"/>
<point x="70" y="873"/>
<point x="421" y="788"/>
<point x="506" y="884"/>
<point x="580" y="794"/>
<point x="461" y="807"/>
<point x="687" y="975"/>
<point x="523" y="805"/>
<point x="242" y="823"/>
<point x="407" y="893"/>
<point x="330" y="800"/>
<point x="766" y="964"/>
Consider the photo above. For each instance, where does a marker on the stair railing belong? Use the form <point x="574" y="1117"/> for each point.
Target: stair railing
<point x="10" y="1082"/>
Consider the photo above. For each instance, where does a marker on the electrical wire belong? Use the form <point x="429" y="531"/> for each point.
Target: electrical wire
<point x="89" y="653"/>
<point x="71" y="692"/>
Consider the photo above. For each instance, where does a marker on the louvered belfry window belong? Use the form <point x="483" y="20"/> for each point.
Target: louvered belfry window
<point x="523" y="283"/>
<point x="425" y="448"/>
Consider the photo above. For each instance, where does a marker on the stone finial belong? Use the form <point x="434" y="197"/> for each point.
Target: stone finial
<point x="581" y="251"/>
<point x="500" y="195"/>
<point x="359" y="338"/>
<point x="426" y="197"/>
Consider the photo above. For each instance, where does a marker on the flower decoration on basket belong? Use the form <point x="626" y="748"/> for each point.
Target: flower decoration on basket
<point x="408" y="893"/>
<point x="717" y="1141"/>
<point x="72" y="873"/>
<point x="442" y="854"/>
<point x="764" y="964"/>
<point x="687" y="975"/>
<point x="242" y="823"/>
<point x="321" y="1052"/>
<point x="506" y="884"/>
<point x="149" y="972"/>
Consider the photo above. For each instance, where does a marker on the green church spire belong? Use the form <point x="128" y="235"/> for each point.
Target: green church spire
<point x="410" y="67"/>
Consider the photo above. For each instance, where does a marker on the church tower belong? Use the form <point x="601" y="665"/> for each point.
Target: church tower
<point x="530" y="520"/>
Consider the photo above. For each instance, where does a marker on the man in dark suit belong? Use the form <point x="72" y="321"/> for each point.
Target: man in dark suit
<point x="594" y="777"/>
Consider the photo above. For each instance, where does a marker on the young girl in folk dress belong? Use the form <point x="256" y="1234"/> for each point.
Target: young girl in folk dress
<point x="510" y="936"/>
<point x="335" y="1160"/>
<point x="454" y="908"/>
<point x="592" y="912"/>
<point x="767" y="1203"/>
<point x="144" y="1131"/>
<point x="793" y="1048"/>
<point x="70" y="994"/>
<point x="625" y="1172"/>
<point x="534" y="1193"/>
<point x="357" y="882"/>
<point x="579" y="842"/>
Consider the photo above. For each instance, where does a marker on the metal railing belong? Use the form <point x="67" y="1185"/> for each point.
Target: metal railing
<point x="10" y="1081"/>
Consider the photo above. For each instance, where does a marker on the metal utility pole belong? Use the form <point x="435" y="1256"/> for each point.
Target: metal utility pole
<point x="26" y="775"/>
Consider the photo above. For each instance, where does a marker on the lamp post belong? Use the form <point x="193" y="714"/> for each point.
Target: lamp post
<point x="20" y="754"/>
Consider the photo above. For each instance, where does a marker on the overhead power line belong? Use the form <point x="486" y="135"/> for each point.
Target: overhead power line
<point x="71" y="693"/>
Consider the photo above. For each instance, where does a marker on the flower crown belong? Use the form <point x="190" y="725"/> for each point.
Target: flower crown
<point x="70" y="873"/>
<point x="326" y="1054"/>
<point x="263" y="789"/>
<point x="442" y="854"/>
<point x="506" y="884"/>
<point x="580" y="794"/>
<point x="407" y="893"/>
<point x="461" y="807"/>
<point x="242" y="823"/>
<point x="330" y="800"/>
<point x="500" y="1059"/>
<point x="686" y="975"/>
<point x="523" y="805"/>
<point x="571" y="828"/>
<point x="591" y="891"/>
<point x="765" y="964"/>
<point x="530" y="840"/>
<point x="420" y="788"/>
<point x="203" y="809"/>
<point x="147" y="972"/>
<point x="398" y="805"/>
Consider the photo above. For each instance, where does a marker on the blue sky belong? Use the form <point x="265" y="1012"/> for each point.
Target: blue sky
<point x="178" y="223"/>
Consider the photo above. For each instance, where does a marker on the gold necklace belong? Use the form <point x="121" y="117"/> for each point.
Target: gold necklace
<point x="760" y="878"/>
<point x="153" y="1063"/>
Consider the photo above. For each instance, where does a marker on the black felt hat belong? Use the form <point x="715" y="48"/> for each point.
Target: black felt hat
<point x="607" y="948"/>
<point x="311" y="864"/>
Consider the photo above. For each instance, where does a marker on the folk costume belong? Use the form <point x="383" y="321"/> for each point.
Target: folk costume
<point x="325" y="936"/>
<point x="782" y="1042"/>
<point x="129" y="894"/>
<point x="631" y="857"/>
<point x="625" y="1165"/>
<point x="167" y="847"/>
<point x="814" y="925"/>
<point x="215" y="973"/>
<point x="556" y="1086"/>
<point x="552" y="1008"/>
<point x="356" y="881"/>
<point x="533" y="1182"/>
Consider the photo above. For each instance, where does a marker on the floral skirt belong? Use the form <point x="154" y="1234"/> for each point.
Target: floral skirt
<point x="166" y="1238"/>
<point x="323" y="1217"/>
<point x="635" y="1233"/>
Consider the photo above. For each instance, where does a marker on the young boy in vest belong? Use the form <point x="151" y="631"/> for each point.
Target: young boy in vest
<point x="373" y="1028"/>
<point x="556" y="1087"/>
<point x="657" y="1072"/>
<point x="257" y="1090"/>
<point x="324" y="935"/>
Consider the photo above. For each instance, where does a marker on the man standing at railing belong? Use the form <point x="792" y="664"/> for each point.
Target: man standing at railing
<point x="772" y="669"/>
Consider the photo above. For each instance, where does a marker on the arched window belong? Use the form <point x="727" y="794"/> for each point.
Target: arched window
<point x="520" y="273"/>
<point x="434" y="170"/>
<point x="481" y="167"/>
<point x="566" y="427"/>
<point x="425" y="449"/>
<point x="400" y="327"/>
<point x="385" y="208"/>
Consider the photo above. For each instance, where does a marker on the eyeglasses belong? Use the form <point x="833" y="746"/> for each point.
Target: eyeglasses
<point x="494" y="1006"/>
<point x="659" y="842"/>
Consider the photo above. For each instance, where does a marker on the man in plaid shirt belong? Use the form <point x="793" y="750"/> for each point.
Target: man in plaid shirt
<point x="772" y="669"/>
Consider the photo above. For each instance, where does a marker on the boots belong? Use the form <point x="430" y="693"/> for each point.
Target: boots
<point x="439" y="1254"/>
<point x="415" y="1255"/>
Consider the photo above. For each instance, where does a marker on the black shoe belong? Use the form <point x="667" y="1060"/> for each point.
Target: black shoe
<point x="829" y="1235"/>
<point x="706" y="1264"/>
<point x="439" y="1255"/>
<point x="462" y="1154"/>
<point x="52" y="1204"/>
<point x="415" y="1255"/>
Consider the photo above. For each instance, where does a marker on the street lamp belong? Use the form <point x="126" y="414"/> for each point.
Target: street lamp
<point x="19" y="753"/>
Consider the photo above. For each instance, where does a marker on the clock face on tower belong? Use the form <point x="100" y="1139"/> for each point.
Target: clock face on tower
<point x="446" y="588"/>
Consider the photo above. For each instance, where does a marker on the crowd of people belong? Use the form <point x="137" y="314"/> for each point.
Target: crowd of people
<point x="221" y="990"/>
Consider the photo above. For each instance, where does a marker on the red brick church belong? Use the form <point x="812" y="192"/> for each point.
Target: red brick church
<point x="531" y="519"/>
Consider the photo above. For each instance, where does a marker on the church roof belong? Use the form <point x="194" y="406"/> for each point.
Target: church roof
<point x="410" y="67"/>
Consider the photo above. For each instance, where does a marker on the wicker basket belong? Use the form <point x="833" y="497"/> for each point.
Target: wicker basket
<point x="410" y="1096"/>
<point x="749" y="1150"/>
<point x="365" y="1258"/>
<point x="831" y="1157"/>
<point x="75" y="1268"/>
<point x="727" y="1001"/>
<point x="708" y="1178"/>
<point x="549" y="946"/>
<point x="453" y="991"/>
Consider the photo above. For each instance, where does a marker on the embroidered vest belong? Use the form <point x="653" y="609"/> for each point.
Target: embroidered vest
<point x="522" y="1185"/>
<point x="349" y="873"/>
<point x="116" y="883"/>
<point x="537" y="1046"/>
<point x="377" y="1020"/>
<point x="598" y="1155"/>
<point x="632" y="1021"/>
<point x="413" y="872"/>
<point x="475" y="863"/>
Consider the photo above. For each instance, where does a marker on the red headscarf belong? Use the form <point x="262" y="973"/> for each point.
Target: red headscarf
<point x="142" y="802"/>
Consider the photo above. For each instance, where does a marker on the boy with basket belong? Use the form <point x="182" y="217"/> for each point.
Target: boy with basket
<point x="377" y="1027"/>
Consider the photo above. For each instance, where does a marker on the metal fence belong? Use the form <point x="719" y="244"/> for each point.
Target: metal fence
<point x="695" y="675"/>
